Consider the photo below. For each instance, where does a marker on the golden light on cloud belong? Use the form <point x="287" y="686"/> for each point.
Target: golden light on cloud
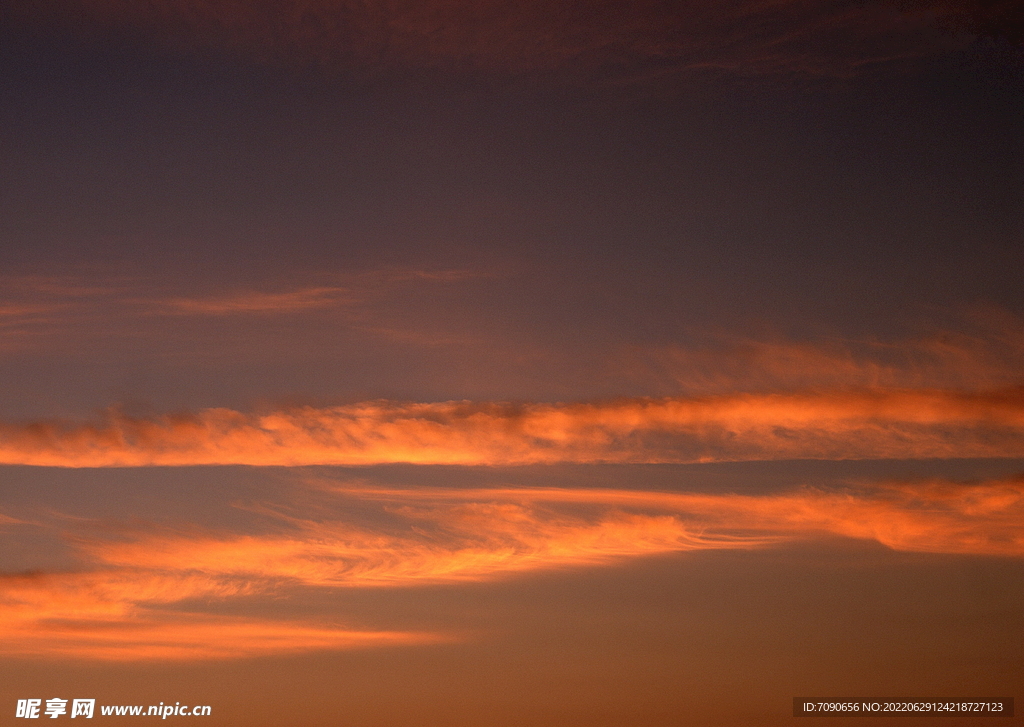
<point x="174" y="637"/>
<point x="118" y="615"/>
<point x="865" y="424"/>
<point x="438" y="543"/>
<point x="128" y="606"/>
<point x="451" y="535"/>
<point x="194" y="638"/>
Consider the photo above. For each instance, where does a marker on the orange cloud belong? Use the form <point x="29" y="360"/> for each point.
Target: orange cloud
<point x="449" y="535"/>
<point x="815" y="425"/>
<point x="184" y="637"/>
<point x="129" y="605"/>
<point x="984" y="352"/>
<point x="985" y="518"/>
<point x="123" y="609"/>
<point x="438" y="543"/>
<point x="116" y="615"/>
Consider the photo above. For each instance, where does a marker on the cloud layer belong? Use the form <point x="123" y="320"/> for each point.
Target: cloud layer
<point x="985" y="351"/>
<point x="73" y="631"/>
<point x="131" y="614"/>
<point x="866" y="424"/>
<point x="129" y="601"/>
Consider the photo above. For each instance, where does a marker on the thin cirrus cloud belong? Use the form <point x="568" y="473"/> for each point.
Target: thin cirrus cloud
<point x="127" y="607"/>
<point x="451" y="535"/>
<point x="856" y="424"/>
<point x="360" y="288"/>
<point x="124" y="608"/>
<point x="31" y="296"/>
<point x="27" y="293"/>
<point x="622" y="40"/>
<point x="39" y="311"/>
<point x="936" y="516"/>
<point x="129" y="614"/>
<point x="120" y="615"/>
<point x="426" y="541"/>
<point x="986" y="354"/>
<point x="440" y="535"/>
<point x="185" y="637"/>
<point x="258" y="302"/>
<point x="41" y="315"/>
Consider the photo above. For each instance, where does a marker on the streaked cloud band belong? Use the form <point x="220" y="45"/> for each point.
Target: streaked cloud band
<point x="866" y="424"/>
<point x="127" y="602"/>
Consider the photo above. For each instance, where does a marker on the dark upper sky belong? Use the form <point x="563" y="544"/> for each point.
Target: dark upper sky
<point x="588" y="176"/>
<point x="750" y="158"/>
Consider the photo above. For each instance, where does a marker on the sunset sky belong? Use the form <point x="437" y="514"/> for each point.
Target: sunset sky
<point x="493" y="363"/>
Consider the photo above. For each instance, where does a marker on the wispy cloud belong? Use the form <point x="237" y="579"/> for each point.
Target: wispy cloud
<point x="31" y="293"/>
<point x="937" y="516"/>
<point x="64" y="617"/>
<point x="20" y="311"/>
<point x="119" y="615"/>
<point x="187" y="637"/>
<point x="128" y="602"/>
<point x="41" y="311"/>
<point x="985" y="350"/>
<point x="438" y="535"/>
<point x="258" y="302"/>
<point x="488" y="534"/>
<point x="866" y="424"/>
